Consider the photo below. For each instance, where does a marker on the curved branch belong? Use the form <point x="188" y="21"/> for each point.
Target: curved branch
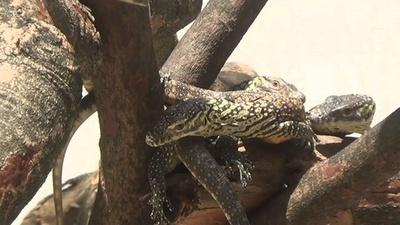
<point x="340" y="181"/>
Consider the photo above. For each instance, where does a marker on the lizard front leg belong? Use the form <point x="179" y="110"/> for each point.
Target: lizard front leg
<point x="205" y="169"/>
<point x="226" y="149"/>
<point x="163" y="161"/>
<point x="287" y="130"/>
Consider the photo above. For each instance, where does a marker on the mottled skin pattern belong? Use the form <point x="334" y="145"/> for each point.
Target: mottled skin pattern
<point x="263" y="97"/>
<point x="271" y="84"/>
<point x="226" y="148"/>
<point x="164" y="160"/>
<point x="337" y="115"/>
<point x="184" y="117"/>
<point x="270" y="117"/>
<point x="216" y="183"/>
<point x="205" y="171"/>
<point x="342" y="115"/>
<point x="176" y="91"/>
<point x="349" y="113"/>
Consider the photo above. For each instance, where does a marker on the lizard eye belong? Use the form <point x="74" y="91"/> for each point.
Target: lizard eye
<point x="178" y="127"/>
<point x="276" y="84"/>
<point x="347" y="112"/>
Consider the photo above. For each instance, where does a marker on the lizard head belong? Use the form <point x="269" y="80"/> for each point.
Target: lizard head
<point x="180" y="120"/>
<point x="344" y="114"/>
<point x="274" y="85"/>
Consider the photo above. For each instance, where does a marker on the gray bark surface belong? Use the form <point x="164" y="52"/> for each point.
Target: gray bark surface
<point x="40" y="87"/>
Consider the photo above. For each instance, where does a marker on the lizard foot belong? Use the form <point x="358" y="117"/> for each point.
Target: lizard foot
<point x="244" y="170"/>
<point x="228" y="146"/>
<point x="165" y="77"/>
<point x="157" y="213"/>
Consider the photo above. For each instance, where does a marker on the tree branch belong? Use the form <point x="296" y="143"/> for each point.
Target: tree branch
<point x="343" y="179"/>
<point x="167" y="18"/>
<point x="203" y="50"/>
<point x="128" y="101"/>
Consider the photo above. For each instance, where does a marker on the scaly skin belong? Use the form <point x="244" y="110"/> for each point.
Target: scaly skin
<point x="271" y="117"/>
<point x="161" y="163"/>
<point x="271" y="84"/>
<point x="338" y="115"/>
<point x="204" y="168"/>
<point x="174" y="127"/>
<point x="176" y="91"/>
<point x="272" y="94"/>
<point x="86" y="109"/>
<point x="275" y="85"/>
<point x="342" y="115"/>
<point x="318" y="115"/>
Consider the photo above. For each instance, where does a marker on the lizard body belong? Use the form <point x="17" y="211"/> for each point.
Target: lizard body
<point x="87" y="107"/>
<point x="257" y="112"/>
<point x="176" y="91"/>
<point x="276" y="85"/>
<point x="272" y="118"/>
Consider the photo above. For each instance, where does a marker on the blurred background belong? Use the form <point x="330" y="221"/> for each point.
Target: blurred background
<point x="322" y="47"/>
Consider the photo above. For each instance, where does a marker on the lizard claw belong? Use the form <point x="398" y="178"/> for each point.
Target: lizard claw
<point x="228" y="146"/>
<point x="244" y="171"/>
<point x="316" y="139"/>
<point x="165" y="77"/>
<point x="157" y="213"/>
<point x="311" y="138"/>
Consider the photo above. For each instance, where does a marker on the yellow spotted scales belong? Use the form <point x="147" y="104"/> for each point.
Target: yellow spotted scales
<point x="271" y="117"/>
<point x="209" y="113"/>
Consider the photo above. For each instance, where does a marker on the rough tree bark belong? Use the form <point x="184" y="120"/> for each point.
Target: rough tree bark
<point x="205" y="47"/>
<point x="166" y="19"/>
<point x="130" y="98"/>
<point x="343" y="179"/>
<point x="40" y="89"/>
<point x="115" y="41"/>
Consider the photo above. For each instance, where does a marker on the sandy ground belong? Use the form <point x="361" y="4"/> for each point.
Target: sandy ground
<point x="323" y="47"/>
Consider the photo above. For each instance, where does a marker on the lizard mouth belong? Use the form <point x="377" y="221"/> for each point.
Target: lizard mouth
<point x="152" y="141"/>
